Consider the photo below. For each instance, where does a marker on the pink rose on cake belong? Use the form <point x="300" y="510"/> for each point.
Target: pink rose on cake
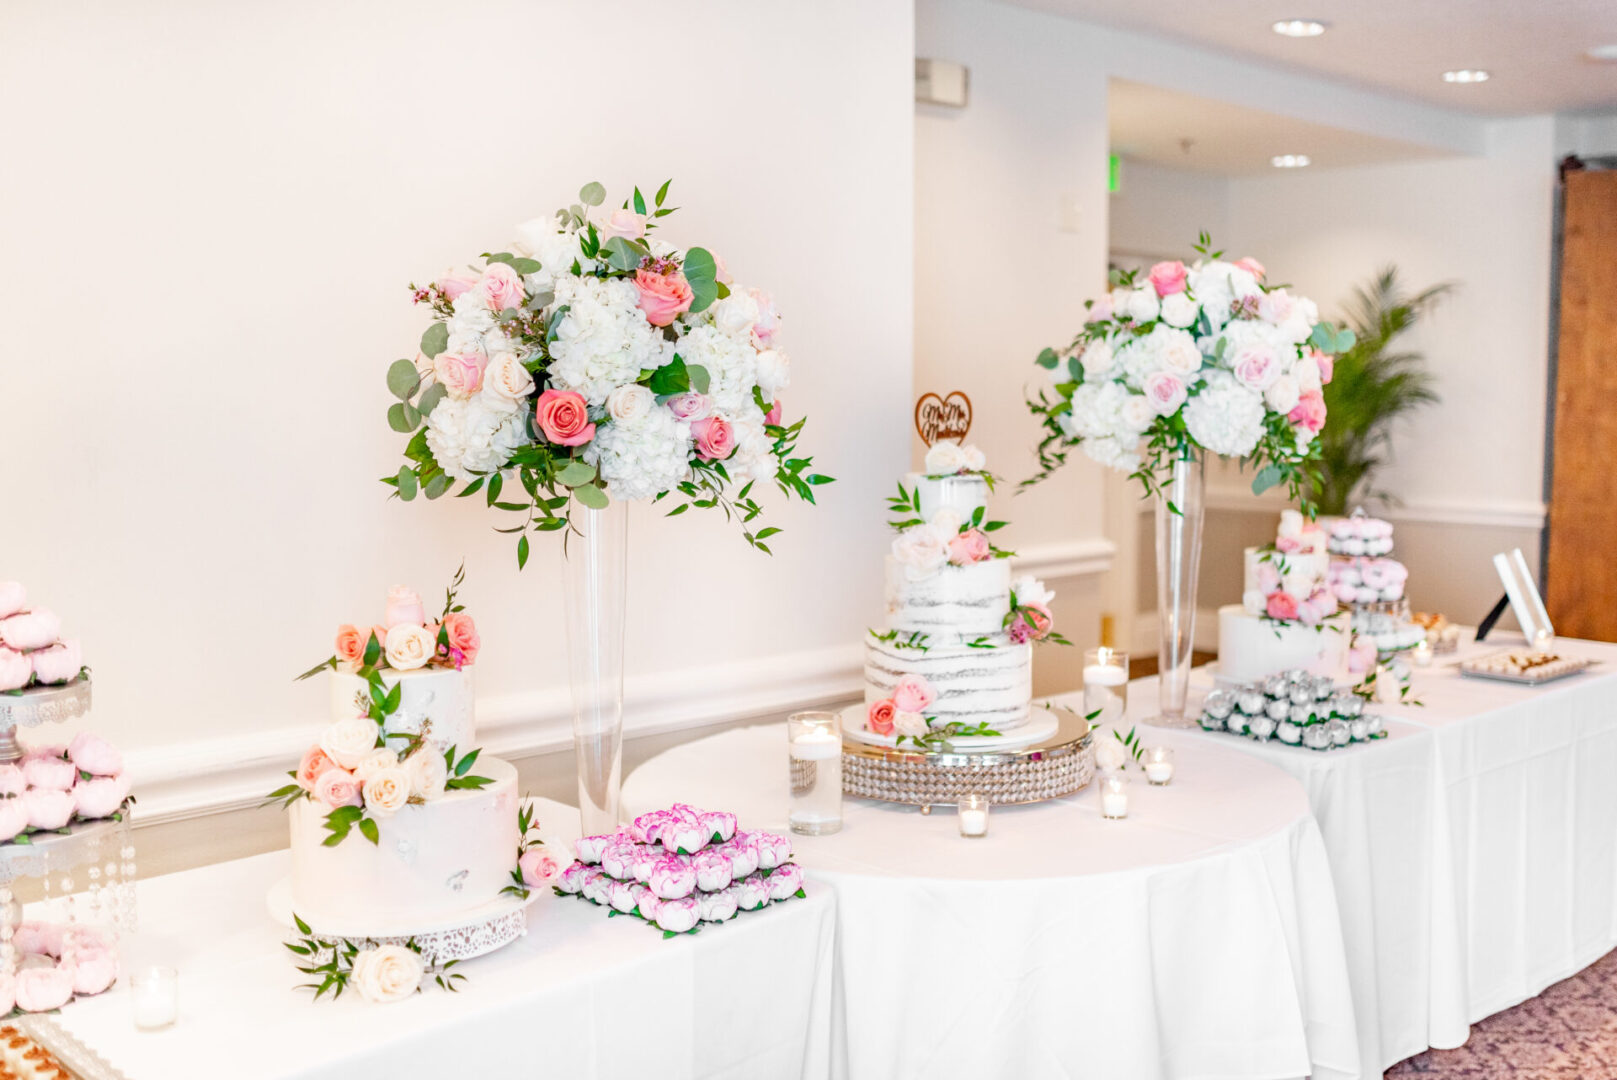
<point x="351" y="643"/>
<point x="1281" y="605"/>
<point x="95" y="755"/>
<point x="969" y="547"/>
<point x="464" y="642"/>
<point x="15" y="669"/>
<point x="403" y="606"/>
<point x="30" y="630"/>
<point x="101" y="797"/>
<point x="913" y="694"/>
<point x="48" y="808"/>
<point x="542" y="865"/>
<point x="314" y="764"/>
<point x="337" y="787"/>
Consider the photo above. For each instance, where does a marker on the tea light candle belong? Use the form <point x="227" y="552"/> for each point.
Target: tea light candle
<point x="1114" y="796"/>
<point x="816" y="745"/>
<point x="1422" y="654"/>
<point x="973" y="811"/>
<point x="1106" y="680"/>
<point x="155" y="995"/>
<point x="1158" y="763"/>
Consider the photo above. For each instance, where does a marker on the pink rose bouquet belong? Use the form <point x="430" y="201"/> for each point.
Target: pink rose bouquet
<point x="1190" y="360"/>
<point x="588" y="362"/>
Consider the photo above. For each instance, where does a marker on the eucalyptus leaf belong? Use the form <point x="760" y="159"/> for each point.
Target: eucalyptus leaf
<point x="700" y="380"/>
<point x="407" y="483"/>
<point x="592" y="193"/>
<point x="1048" y="359"/>
<point x="1267" y="477"/>
<point x="591" y="496"/>
<point x="435" y="340"/>
<point x="402" y="417"/>
<point x="437" y="485"/>
<point x="430" y="397"/>
<point x="576" y="473"/>
<point x="402" y="379"/>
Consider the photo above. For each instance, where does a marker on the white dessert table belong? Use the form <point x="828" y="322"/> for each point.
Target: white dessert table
<point x="581" y="995"/>
<point x="1474" y="851"/>
<point x="1197" y="938"/>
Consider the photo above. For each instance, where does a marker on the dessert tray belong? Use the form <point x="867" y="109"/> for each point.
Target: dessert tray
<point x="1525" y="667"/>
<point x="1041" y="725"/>
<point x="1050" y="768"/>
<point x="469" y="933"/>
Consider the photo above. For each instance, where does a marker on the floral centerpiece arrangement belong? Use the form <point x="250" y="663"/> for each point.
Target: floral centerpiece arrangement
<point x="594" y="361"/>
<point x="32" y="650"/>
<point x="681" y="867"/>
<point x="1200" y="358"/>
<point x="357" y="770"/>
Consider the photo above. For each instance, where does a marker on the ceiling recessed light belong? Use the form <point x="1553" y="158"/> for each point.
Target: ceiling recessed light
<point x="1299" y="27"/>
<point x="1605" y="54"/>
<point x="1289" y="161"/>
<point x="1466" y="75"/>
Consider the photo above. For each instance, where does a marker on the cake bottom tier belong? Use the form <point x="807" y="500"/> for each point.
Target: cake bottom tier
<point x="992" y="686"/>
<point x="435" y="860"/>
<point x="1251" y="647"/>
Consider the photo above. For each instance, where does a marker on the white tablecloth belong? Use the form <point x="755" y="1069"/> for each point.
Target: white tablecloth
<point x="1474" y="851"/>
<point x="1197" y="938"/>
<point x="581" y="995"/>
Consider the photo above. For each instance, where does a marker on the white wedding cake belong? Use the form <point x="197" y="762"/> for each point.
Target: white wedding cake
<point x="954" y="654"/>
<point x="398" y="823"/>
<point x="1288" y="617"/>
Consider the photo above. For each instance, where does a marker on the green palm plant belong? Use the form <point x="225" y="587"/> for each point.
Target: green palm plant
<point x="1372" y="386"/>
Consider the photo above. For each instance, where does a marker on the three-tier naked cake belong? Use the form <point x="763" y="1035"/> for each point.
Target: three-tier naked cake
<point x="953" y="657"/>
<point x="400" y="827"/>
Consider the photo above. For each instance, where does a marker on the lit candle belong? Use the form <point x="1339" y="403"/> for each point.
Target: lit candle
<point x="973" y="810"/>
<point x="1423" y="654"/>
<point x="155" y="994"/>
<point x="1158" y="763"/>
<point x="1114" y="796"/>
<point x="1106" y="681"/>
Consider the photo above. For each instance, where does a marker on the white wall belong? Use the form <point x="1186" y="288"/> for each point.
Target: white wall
<point x="1160" y="211"/>
<point x="206" y="261"/>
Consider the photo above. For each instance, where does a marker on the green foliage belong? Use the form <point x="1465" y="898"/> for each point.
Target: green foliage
<point x="1373" y="386"/>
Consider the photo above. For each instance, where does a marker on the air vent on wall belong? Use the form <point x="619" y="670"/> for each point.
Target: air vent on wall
<point x="940" y="82"/>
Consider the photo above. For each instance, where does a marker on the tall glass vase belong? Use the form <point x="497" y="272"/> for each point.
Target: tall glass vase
<point x="597" y="566"/>
<point x="1179" y="512"/>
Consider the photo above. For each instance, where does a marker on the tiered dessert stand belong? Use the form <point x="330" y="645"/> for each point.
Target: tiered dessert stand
<point x="1056" y="758"/>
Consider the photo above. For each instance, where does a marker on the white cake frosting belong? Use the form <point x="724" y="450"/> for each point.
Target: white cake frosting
<point x="434" y="859"/>
<point x="955" y="604"/>
<point x="439" y="696"/>
<point x="1251" y="647"/>
<point x="974" y="685"/>
<point x="964" y="494"/>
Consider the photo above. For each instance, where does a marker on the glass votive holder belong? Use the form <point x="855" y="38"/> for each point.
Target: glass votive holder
<point x="1106" y="685"/>
<point x="1157" y="761"/>
<point x="154" y="993"/>
<point x="1422" y="654"/>
<point x="1114" y="796"/>
<point x="973" y="812"/>
<point x="814" y="744"/>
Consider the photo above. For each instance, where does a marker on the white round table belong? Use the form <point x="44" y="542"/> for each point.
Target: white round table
<point x="1197" y="938"/>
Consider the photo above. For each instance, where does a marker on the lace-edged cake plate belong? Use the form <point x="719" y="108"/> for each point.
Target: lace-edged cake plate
<point x="1041" y="724"/>
<point x="470" y="933"/>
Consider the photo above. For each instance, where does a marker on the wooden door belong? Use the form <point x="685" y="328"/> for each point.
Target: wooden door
<point x="1581" y="570"/>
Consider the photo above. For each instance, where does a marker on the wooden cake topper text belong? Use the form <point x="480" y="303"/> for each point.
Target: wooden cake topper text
<point x="943" y="417"/>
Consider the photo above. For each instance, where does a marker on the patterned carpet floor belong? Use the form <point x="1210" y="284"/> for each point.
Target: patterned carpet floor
<point x="1569" y="1032"/>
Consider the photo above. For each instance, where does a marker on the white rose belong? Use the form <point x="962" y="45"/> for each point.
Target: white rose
<point x="1178" y="309"/>
<point x="909" y="723"/>
<point x="774" y="371"/>
<point x="976" y="460"/>
<point x="947" y="522"/>
<point x="1282" y="394"/>
<point x="945" y="458"/>
<point x="428" y="773"/>
<point x="1298" y="584"/>
<point x="506" y="377"/>
<point x="1143" y="305"/>
<point x="1254" y="602"/>
<point x="920" y="552"/>
<point x="386" y="791"/>
<point x="629" y="403"/>
<point x="1137" y="413"/>
<point x="1097" y="360"/>
<point x="387" y="973"/>
<point x="374" y="762"/>
<point x="349" y="741"/>
<point x="736" y="314"/>
<point x="1030" y="590"/>
<point x="409" y="647"/>
<point x="1177" y="351"/>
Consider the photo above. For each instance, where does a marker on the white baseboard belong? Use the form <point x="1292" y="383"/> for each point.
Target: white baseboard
<point x="1143" y="640"/>
<point x="208" y="776"/>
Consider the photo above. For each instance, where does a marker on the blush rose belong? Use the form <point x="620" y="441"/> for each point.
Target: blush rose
<point x="564" y="417"/>
<point x="1168" y="278"/>
<point x="715" y="438"/>
<point x="663" y="297"/>
<point x="879" y="717"/>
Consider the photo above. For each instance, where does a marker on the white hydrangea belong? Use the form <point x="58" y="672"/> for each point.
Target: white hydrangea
<point x="556" y="250"/>
<point x="1137" y="358"/>
<point x="640" y="459"/>
<point x="754" y="457"/>
<point x="1217" y="285"/>
<point x="1096" y="409"/>
<point x="604" y="341"/>
<point x="732" y="366"/>
<point x="1225" y="417"/>
<point x="474" y="436"/>
<point x="1113" y="453"/>
<point x="1165" y="348"/>
<point x="1242" y="332"/>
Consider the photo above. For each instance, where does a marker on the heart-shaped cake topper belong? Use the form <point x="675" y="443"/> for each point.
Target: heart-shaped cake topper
<point x="942" y="417"/>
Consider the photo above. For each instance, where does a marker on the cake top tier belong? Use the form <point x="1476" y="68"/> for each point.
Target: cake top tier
<point x="32" y="651"/>
<point x="953" y="476"/>
<point x="407" y="639"/>
<point x="1360" y="535"/>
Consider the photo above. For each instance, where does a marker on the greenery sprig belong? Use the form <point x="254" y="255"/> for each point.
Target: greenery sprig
<point x="329" y="962"/>
<point x="916" y="640"/>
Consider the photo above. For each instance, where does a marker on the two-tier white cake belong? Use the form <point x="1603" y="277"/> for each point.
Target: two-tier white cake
<point x="956" y="640"/>
<point x="1288" y="617"/>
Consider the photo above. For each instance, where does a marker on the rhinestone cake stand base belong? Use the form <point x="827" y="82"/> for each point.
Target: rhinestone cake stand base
<point x="1058" y="766"/>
